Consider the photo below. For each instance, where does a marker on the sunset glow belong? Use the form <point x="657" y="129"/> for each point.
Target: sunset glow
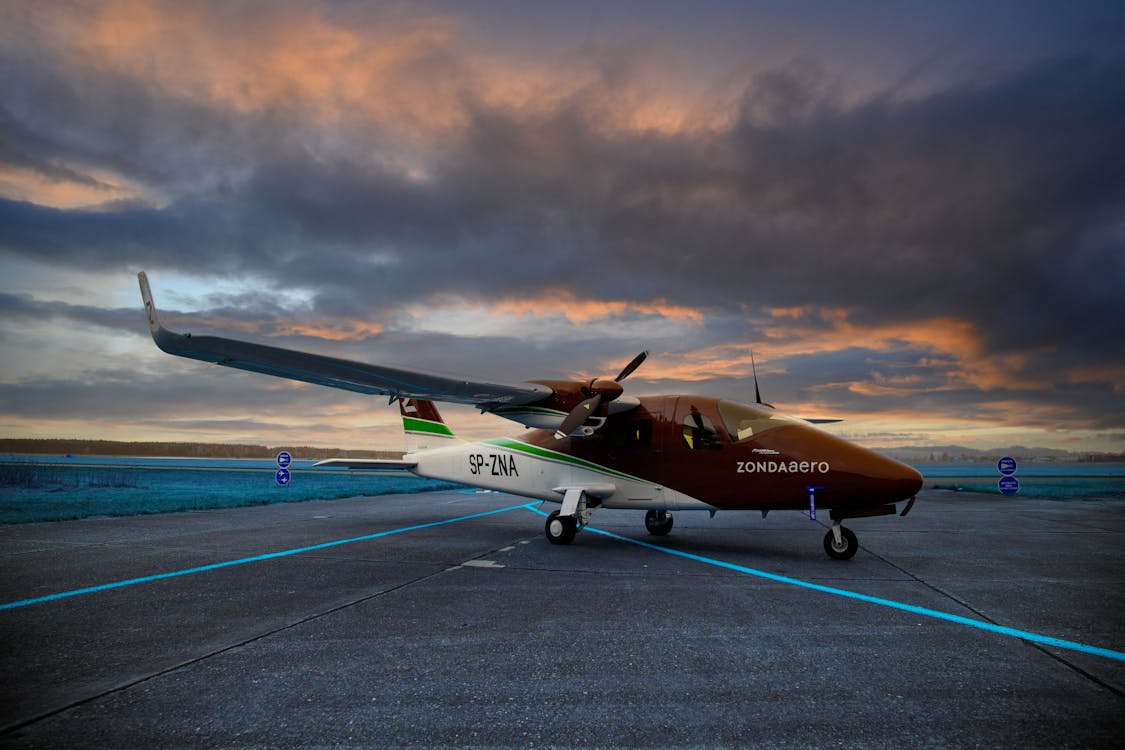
<point x="920" y="237"/>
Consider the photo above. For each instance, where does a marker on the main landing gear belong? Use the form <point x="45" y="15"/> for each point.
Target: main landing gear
<point x="565" y="522"/>
<point x="840" y="543"/>
<point x="658" y="522"/>
<point x="560" y="529"/>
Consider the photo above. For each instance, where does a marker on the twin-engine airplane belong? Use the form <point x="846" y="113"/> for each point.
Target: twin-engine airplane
<point x="589" y="446"/>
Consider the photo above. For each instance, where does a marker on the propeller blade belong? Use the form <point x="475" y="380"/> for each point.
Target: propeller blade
<point x="578" y="415"/>
<point x="629" y="368"/>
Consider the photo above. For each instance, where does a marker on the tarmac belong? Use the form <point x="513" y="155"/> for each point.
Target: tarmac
<point x="446" y="619"/>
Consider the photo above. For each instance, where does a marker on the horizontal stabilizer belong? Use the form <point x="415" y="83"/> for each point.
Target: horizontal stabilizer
<point x="368" y="464"/>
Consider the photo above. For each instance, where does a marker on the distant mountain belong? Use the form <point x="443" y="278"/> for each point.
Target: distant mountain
<point x="964" y="454"/>
<point x="50" y="446"/>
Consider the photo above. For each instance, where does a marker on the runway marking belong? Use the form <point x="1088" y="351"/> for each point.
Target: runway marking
<point x="487" y="564"/>
<point x="255" y="558"/>
<point x="913" y="609"/>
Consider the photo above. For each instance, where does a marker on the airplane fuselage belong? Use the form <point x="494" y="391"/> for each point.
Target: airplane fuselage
<point x="681" y="453"/>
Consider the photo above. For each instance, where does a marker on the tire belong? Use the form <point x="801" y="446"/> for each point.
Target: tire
<point x="560" y="529"/>
<point x="658" y="522"/>
<point x="848" y="544"/>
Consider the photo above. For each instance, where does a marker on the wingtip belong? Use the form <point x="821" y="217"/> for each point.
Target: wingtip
<point x="159" y="333"/>
<point x="146" y="297"/>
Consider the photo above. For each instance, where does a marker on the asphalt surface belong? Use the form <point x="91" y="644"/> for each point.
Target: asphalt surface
<point x="477" y="632"/>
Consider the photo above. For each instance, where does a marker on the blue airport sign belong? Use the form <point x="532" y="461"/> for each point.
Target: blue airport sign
<point x="284" y="459"/>
<point x="1007" y="466"/>
<point x="1008" y="485"/>
<point x="282" y="476"/>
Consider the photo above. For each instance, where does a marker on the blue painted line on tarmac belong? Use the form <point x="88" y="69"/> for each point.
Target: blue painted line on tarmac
<point x="255" y="558"/>
<point x="1025" y="635"/>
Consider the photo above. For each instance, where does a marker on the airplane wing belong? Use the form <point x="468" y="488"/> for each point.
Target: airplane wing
<point x="333" y="372"/>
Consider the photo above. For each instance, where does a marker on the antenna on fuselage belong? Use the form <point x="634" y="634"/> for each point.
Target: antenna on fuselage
<point x="757" y="393"/>
<point x="754" y="367"/>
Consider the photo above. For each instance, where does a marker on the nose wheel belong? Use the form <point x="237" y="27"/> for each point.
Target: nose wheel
<point x="840" y="543"/>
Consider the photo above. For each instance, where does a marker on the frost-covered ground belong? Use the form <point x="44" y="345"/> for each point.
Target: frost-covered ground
<point x="1052" y="481"/>
<point x="47" y="488"/>
<point x="43" y="491"/>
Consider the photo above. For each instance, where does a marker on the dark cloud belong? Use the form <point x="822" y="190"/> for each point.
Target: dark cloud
<point x="106" y="394"/>
<point x="23" y="308"/>
<point x="997" y="202"/>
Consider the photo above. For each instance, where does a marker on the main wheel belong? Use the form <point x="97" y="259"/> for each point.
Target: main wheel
<point x="658" y="522"/>
<point x="847" y="547"/>
<point x="560" y="529"/>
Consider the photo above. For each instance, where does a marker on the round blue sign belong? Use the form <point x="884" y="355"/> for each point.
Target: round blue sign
<point x="284" y="459"/>
<point x="1007" y="466"/>
<point x="1008" y="485"/>
<point x="282" y="477"/>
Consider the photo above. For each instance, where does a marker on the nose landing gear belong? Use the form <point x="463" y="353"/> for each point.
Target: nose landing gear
<point x="840" y="543"/>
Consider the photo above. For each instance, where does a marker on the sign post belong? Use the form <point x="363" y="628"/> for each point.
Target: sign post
<point x="1008" y="484"/>
<point x="283" y="476"/>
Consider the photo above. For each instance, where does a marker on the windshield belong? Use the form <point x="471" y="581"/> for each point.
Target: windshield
<point x="743" y="421"/>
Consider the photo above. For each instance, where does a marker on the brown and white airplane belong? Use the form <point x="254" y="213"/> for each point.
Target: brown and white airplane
<point x="590" y="446"/>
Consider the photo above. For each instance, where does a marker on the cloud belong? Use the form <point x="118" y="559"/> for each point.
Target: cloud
<point x="22" y="308"/>
<point x="959" y="245"/>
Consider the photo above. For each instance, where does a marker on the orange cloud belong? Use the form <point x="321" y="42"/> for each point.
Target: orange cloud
<point x="560" y="303"/>
<point x="831" y="329"/>
<point x="406" y="71"/>
<point x="708" y="363"/>
<point x="958" y="340"/>
<point x="576" y="310"/>
<point x="957" y="347"/>
<point x="17" y="183"/>
<point x="1111" y="374"/>
<point x="328" y="330"/>
<point x="267" y="58"/>
<point x="353" y="331"/>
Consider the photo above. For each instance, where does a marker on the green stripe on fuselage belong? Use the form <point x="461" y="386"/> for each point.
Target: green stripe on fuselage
<point x="535" y="450"/>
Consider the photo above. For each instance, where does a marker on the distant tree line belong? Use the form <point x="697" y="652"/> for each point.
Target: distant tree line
<point x="54" y="446"/>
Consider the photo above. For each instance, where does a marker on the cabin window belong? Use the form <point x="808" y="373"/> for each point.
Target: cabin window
<point x="699" y="432"/>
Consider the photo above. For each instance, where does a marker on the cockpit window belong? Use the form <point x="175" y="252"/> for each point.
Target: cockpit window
<point x="699" y="432"/>
<point x="743" y="421"/>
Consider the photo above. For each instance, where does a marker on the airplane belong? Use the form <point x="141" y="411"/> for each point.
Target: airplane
<point x="589" y="446"/>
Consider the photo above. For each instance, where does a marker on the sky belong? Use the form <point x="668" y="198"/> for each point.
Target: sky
<point x="912" y="213"/>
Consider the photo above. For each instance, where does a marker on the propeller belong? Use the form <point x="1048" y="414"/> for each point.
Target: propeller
<point x="633" y="365"/>
<point x="599" y="390"/>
